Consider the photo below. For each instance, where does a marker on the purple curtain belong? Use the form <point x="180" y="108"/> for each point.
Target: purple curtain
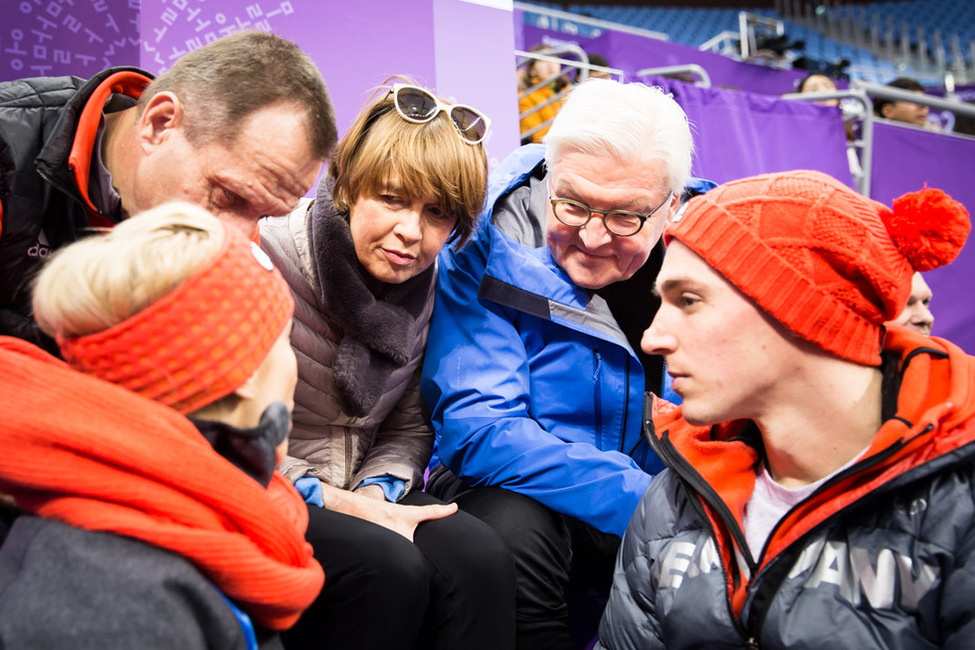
<point x="740" y="134"/>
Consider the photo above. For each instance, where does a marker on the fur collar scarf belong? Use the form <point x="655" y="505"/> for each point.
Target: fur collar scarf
<point x="377" y="320"/>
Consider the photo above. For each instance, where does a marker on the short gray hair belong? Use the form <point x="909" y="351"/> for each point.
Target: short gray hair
<point x="628" y="122"/>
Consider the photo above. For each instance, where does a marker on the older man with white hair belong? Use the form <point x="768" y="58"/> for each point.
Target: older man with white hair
<point x="533" y="369"/>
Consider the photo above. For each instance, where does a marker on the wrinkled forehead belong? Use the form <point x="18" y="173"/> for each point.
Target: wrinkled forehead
<point x="632" y="179"/>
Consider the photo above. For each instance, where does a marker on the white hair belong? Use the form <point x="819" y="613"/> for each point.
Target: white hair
<point x="627" y="122"/>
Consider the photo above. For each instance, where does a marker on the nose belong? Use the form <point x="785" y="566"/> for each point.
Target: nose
<point x="594" y="233"/>
<point x="923" y="317"/>
<point x="656" y="338"/>
<point x="409" y="227"/>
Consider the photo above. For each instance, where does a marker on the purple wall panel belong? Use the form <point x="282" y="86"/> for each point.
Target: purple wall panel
<point x="904" y="160"/>
<point x="480" y="70"/>
<point x="354" y="51"/>
<point x="45" y="38"/>
<point x="429" y="41"/>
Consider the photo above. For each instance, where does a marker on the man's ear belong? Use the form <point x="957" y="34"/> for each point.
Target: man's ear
<point x="674" y="204"/>
<point x="248" y="390"/>
<point x="886" y="110"/>
<point x="161" y="116"/>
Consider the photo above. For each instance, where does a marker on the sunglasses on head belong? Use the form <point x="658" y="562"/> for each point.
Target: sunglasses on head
<point x="418" y="105"/>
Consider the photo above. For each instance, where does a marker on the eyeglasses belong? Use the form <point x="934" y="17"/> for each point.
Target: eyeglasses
<point x="417" y="105"/>
<point x="622" y="223"/>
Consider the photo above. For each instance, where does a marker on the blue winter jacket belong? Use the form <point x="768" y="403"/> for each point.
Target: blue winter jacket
<point x="533" y="386"/>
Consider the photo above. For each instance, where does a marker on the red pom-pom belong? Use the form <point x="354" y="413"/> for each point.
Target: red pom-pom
<point x="928" y="227"/>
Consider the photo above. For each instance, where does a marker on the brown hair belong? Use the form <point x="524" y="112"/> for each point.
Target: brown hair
<point x="428" y="159"/>
<point x="223" y="82"/>
<point x="903" y="83"/>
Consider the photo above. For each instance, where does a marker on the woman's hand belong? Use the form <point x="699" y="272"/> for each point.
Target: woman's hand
<point x="370" y="504"/>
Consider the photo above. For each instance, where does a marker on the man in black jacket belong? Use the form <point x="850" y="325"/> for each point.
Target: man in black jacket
<point x="240" y="127"/>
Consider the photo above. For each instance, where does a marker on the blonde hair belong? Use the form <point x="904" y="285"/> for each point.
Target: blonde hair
<point x="98" y="282"/>
<point x="428" y="159"/>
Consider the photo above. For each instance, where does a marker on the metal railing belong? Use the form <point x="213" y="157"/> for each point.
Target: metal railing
<point x="693" y="69"/>
<point x="861" y="147"/>
<point x="580" y="65"/>
<point x="900" y="95"/>
<point x="864" y="93"/>
<point x="746" y="30"/>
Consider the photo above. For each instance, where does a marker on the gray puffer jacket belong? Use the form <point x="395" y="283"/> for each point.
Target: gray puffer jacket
<point x="66" y="587"/>
<point x="882" y="555"/>
<point x="358" y="410"/>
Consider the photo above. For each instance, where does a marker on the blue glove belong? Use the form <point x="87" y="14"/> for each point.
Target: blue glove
<point x="393" y="488"/>
<point x="310" y="489"/>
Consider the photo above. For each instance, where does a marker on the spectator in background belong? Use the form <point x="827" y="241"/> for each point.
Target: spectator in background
<point x="535" y="387"/>
<point x="816" y="82"/>
<point x="240" y="126"/>
<point x="599" y="60"/>
<point x="156" y="517"/>
<point x="539" y="107"/>
<point x="819" y="483"/>
<point x="901" y="111"/>
<point x="408" y="177"/>
<point x="917" y="315"/>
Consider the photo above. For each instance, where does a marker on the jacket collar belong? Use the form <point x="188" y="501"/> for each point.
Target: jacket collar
<point x="67" y="154"/>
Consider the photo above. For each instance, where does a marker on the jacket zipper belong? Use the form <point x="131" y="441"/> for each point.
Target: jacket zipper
<point x="626" y="404"/>
<point x="67" y="190"/>
<point x="348" y="458"/>
<point x="597" y="409"/>
<point x="695" y="484"/>
<point x="775" y="575"/>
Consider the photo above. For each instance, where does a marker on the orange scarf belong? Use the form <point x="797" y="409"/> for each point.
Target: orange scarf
<point x="94" y="455"/>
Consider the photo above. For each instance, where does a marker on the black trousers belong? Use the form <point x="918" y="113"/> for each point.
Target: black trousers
<point x="564" y="567"/>
<point x="453" y="587"/>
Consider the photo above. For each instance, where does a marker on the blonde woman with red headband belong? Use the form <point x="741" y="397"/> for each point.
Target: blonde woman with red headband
<point x="405" y="570"/>
<point x="146" y="463"/>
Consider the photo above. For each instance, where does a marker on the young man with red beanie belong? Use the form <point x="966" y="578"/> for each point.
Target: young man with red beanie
<point x="819" y="491"/>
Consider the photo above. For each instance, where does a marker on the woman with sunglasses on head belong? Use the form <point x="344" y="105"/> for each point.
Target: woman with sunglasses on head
<point x="403" y="569"/>
<point x="146" y="463"/>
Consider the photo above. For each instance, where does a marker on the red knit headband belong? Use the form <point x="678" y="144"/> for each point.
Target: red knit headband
<point x="201" y="341"/>
<point x="826" y="262"/>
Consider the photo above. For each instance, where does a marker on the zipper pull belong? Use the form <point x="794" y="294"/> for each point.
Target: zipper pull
<point x="752" y="644"/>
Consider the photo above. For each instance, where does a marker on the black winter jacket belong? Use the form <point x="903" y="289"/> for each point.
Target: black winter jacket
<point x="46" y="142"/>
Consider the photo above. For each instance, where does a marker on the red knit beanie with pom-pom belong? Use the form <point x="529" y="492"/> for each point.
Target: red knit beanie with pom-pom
<point x="826" y="262"/>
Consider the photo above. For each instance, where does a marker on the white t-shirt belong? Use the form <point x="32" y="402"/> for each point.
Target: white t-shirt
<point x="770" y="502"/>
